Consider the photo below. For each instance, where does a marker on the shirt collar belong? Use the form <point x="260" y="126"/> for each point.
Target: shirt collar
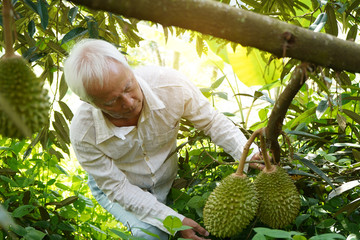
<point x="151" y="99"/>
<point x="104" y="129"/>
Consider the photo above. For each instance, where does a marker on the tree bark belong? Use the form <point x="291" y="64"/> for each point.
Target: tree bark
<point x="278" y="113"/>
<point x="240" y="26"/>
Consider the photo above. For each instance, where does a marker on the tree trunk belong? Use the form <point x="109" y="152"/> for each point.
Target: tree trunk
<point x="240" y="26"/>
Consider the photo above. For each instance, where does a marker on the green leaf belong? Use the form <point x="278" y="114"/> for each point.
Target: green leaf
<point x="315" y="169"/>
<point x="218" y="49"/>
<point x="321" y="108"/>
<point x="31" y="5"/>
<point x="171" y="223"/>
<point x="274" y="233"/>
<point x="327" y="223"/>
<point x="64" y="202"/>
<point x="253" y="67"/>
<point x="62" y="186"/>
<point x="217" y="83"/>
<point x="222" y="95"/>
<point x="354" y="116"/>
<point x="352" y="236"/>
<point x="43" y="12"/>
<point x="31" y="28"/>
<point x="319" y="22"/>
<point x="303" y="117"/>
<point x="331" y="27"/>
<point x="63" y="87"/>
<point x="66" y="227"/>
<point x="72" y="14"/>
<point x="124" y="236"/>
<point x="305" y="134"/>
<point x="350" y="145"/>
<point x="33" y="234"/>
<point x="149" y="233"/>
<point x="61" y="126"/>
<point x="343" y="188"/>
<point x="298" y="237"/>
<point x="327" y="236"/>
<point x="351" y="36"/>
<point x="352" y="206"/>
<point x="341" y="120"/>
<point x="354" y="4"/>
<point x="300" y="219"/>
<point x="259" y="236"/>
<point x="196" y="202"/>
<point x="93" y="28"/>
<point x="199" y="45"/>
<point x="10" y="181"/>
<point x="22" y="211"/>
<point x="96" y="229"/>
<point x="74" y="33"/>
<point x="66" y="110"/>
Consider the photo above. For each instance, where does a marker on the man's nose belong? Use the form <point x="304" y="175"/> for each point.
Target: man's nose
<point x="127" y="102"/>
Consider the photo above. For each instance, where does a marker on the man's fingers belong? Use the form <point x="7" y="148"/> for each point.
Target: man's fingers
<point x="190" y="233"/>
<point x="201" y="230"/>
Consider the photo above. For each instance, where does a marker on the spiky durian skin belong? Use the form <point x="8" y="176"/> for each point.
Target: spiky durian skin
<point x="26" y="96"/>
<point x="231" y="206"/>
<point x="279" y="198"/>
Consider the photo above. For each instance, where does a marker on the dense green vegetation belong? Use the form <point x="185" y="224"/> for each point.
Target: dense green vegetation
<point x="45" y="192"/>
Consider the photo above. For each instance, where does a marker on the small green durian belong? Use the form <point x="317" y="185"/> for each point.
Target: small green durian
<point x="25" y="106"/>
<point x="231" y="206"/>
<point x="279" y="198"/>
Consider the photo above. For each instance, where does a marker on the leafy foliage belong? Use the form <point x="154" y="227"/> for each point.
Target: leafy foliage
<point x="48" y="198"/>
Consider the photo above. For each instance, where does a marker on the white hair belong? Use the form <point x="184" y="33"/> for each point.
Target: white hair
<point x="89" y="63"/>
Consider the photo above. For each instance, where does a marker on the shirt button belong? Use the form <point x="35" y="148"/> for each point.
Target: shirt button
<point x="147" y="158"/>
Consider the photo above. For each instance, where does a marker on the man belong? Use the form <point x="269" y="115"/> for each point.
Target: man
<point x="126" y="128"/>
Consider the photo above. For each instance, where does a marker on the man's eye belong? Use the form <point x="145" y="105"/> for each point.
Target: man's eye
<point x="109" y="104"/>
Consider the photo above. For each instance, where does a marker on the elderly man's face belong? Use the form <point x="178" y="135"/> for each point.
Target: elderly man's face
<point x="121" y="97"/>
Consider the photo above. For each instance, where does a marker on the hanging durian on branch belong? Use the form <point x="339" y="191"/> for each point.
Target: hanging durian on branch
<point x="24" y="103"/>
<point x="279" y="200"/>
<point x="235" y="202"/>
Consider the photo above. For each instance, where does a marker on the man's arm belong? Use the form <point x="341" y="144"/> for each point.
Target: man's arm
<point x="116" y="186"/>
<point x="222" y="131"/>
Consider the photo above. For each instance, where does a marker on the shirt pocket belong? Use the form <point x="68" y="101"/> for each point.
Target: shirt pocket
<point x="117" y="149"/>
<point x="157" y="140"/>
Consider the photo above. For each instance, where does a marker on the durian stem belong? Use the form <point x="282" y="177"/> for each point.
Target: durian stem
<point x="268" y="165"/>
<point x="7" y="26"/>
<point x="240" y="169"/>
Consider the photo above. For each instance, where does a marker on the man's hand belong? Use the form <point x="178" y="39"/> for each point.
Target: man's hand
<point x="258" y="157"/>
<point x="191" y="233"/>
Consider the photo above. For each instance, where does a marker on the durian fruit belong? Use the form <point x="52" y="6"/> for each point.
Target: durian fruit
<point x="279" y="199"/>
<point x="231" y="206"/>
<point x="25" y="96"/>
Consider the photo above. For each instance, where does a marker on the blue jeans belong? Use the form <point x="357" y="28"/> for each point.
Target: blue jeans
<point x="125" y="217"/>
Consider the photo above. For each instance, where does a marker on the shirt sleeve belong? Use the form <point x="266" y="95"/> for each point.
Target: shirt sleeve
<point x="113" y="182"/>
<point x="222" y="131"/>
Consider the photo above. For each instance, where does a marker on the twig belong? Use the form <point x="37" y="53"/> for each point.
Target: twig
<point x="268" y="165"/>
<point x="7" y="23"/>
<point x="218" y="162"/>
<point x="240" y="169"/>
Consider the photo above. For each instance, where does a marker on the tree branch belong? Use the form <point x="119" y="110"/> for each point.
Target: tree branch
<point x="278" y="113"/>
<point x="240" y="26"/>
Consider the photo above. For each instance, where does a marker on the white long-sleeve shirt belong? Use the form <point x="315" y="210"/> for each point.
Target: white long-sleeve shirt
<point x="130" y="164"/>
